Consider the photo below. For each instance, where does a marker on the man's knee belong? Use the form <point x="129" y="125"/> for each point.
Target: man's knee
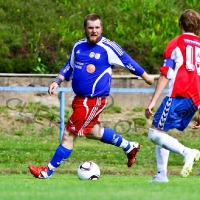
<point x="96" y="132"/>
<point x="156" y="136"/>
<point x="68" y="136"/>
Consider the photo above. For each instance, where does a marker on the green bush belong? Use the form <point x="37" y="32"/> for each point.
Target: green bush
<point x="113" y="109"/>
<point x="37" y="35"/>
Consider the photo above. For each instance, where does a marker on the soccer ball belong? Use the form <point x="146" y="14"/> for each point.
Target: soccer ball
<point x="88" y="170"/>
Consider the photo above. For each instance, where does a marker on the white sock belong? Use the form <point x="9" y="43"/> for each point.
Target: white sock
<point x="186" y="152"/>
<point x="174" y="145"/>
<point x="124" y="143"/>
<point x="162" y="156"/>
<point x="168" y="142"/>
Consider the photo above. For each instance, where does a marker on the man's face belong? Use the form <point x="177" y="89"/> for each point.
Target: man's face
<point x="93" y="31"/>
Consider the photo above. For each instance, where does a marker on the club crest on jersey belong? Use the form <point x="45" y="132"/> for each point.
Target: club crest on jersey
<point x="94" y="55"/>
<point x="90" y="68"/>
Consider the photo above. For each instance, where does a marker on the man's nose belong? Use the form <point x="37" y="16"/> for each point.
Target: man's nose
<point x="94" y="29"/>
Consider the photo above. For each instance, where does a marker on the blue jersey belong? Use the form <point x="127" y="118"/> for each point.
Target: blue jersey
<point x="90" y="67"/>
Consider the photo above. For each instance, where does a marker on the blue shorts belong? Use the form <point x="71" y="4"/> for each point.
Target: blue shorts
<point x="174" y="113"/>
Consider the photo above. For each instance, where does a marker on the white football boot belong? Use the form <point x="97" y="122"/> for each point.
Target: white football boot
<point x="189" y="160"/>
<point x="159" y="178"/>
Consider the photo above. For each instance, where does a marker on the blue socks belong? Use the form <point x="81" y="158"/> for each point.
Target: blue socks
<point x="61" y="154"/>
<point x="111" y="137"/>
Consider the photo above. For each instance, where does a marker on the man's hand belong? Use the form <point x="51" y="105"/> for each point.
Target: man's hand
<point x="150" y="80"/>
<point x="149" y="110"/>
<point x="197" y="125"/>
<point x="52" y="88"/>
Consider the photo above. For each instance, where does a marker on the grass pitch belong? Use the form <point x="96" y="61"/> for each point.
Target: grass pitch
<point x="108" y="187"/>
<point x="24" y="143"/>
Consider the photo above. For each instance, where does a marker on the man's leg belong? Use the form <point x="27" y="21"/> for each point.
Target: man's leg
<point x="109" y="136"/>
<point x="172" y="144"/>
<point x="62" y="152"/>
<point x="162" y="156"/>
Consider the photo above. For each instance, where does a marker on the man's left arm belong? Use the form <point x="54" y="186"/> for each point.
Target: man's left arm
<point x="148" y="78"/>
<point x="136" y="69"/>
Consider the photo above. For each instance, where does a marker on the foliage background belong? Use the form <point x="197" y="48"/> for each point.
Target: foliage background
<point x="36" y="36"/>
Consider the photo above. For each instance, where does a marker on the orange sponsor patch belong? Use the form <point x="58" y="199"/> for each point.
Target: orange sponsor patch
<point x="90" y="68"/>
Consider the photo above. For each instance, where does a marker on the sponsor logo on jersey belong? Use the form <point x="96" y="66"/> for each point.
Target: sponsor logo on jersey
<point x="79" y="65"/>
<point x="90" y="68"/>
<point x="78" y="52"/>
<point x="193" y="42"/>
<point x="97" y="55"/>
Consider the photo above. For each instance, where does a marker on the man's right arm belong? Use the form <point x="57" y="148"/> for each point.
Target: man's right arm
<point x="64" y="74"/>
<point x="66" y="71"/>
<point x="56" y="82"/>
<point x="161" y="84"/>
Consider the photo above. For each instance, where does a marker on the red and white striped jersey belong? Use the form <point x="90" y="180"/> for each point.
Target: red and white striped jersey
<point x="182" y="67"/>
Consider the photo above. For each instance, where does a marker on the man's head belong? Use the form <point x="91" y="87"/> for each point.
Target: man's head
<point x="93" y="28"/>
<point x="190" y="21"/>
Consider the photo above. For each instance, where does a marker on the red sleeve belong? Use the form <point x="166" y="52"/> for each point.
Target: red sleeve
<point x="167" y="68"/>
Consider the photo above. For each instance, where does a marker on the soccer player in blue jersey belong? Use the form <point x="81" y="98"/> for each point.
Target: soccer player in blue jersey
<point x="89" y="68"/>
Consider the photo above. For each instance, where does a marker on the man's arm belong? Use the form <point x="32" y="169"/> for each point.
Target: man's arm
<point x="56" y="82"/>
<point x="161" y="84"/>
<point x="147" y="78"/>
<point x="64" y="74"/>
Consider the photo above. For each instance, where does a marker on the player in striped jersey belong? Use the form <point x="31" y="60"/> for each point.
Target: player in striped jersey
<point x="90" y="68"/>
<point x="181" y="70"/>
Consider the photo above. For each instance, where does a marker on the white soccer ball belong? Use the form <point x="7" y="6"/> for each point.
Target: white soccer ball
<point x="88" y="170"/>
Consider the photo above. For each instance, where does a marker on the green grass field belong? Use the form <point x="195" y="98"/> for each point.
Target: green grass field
<point x="108" y="187"/>
<point x="24" y="142"/>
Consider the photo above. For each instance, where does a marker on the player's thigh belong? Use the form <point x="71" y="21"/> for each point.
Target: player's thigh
<point x="174" y="113"/>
